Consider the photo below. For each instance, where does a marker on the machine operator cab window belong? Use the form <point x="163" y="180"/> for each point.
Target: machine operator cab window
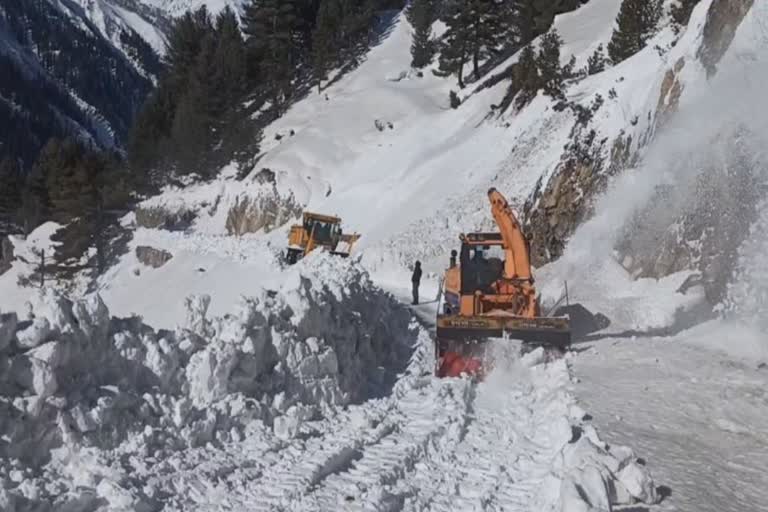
<point x="321" y="231"/>
<point x="481" y="267"/>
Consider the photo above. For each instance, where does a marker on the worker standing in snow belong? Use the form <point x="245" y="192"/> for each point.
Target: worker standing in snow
<point x="416" y="281"/>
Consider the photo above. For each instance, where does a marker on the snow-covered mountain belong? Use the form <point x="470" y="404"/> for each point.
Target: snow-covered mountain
<point x="122" y="20"/>
<point x="243" y="395"/>
<point x="80" y="69"/>
<point x="175" y="8"/>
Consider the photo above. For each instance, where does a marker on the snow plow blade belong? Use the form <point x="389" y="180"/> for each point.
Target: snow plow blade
<point x="546" y="331"/>
<point x="461" y="341"/>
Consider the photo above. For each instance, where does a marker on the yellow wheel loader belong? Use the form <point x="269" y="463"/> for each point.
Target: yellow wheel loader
<point x="318" y="232"/>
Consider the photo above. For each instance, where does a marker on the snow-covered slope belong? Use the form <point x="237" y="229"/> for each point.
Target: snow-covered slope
<point x="176" y="8"/>
<point x="243" y="412"/>
<point x="72" y="69"/>
<point x="381" y="147"/>
<point x="117" y="18"/>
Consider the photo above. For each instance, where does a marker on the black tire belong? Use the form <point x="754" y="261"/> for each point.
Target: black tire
<point x="291" y="256"/>
<point x="582" y="321"/>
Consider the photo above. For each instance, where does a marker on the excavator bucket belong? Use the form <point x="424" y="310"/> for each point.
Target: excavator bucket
<point x="462" y="341"/>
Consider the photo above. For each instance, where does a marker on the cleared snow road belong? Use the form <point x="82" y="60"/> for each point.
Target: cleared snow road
<point x="700" y="418"/>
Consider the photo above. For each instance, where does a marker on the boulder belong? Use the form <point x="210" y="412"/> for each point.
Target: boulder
<point x="161" y="218"/>
<point x="152" y="257"/>
<point x="265" y="212"/>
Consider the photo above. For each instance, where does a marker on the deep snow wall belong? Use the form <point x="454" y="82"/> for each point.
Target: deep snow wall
<point x="73" y="378"/>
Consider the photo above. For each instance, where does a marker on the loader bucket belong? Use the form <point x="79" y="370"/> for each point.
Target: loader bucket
<point x="461" y="341"/>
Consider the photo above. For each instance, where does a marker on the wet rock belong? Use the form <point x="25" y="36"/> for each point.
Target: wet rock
<point x="152" y="257"/>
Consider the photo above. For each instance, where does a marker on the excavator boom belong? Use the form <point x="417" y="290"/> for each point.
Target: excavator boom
<point x="517" y="263"/>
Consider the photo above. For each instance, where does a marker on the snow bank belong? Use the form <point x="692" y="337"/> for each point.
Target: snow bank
<point x="74" y="380"/>
<point x="579" y="472"/>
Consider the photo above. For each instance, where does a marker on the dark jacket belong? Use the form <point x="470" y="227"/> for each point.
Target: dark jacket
<point x="416" y="277"/>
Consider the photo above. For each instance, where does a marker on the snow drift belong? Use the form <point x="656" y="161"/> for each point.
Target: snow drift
<point x="75" y="378"/>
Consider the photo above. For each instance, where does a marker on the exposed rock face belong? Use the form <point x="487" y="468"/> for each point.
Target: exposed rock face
<point x="703" y="233"/>
<point x="267" y="212"/>
<point x="723" y="18"/>
<point x="160" y="218"/>
<point x="553" y="213"/>
<point x="152" y="257"/>
<point x="671" y="91"/>
<point x="6" y="254"/>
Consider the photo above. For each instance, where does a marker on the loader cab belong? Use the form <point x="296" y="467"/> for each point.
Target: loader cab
<point x="323" y="230"/>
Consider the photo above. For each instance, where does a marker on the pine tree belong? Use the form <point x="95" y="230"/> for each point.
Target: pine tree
<point x="548" y="63"/>
<point x="69" y="182"/>
<point x="194" y="125"/>
<point x="10" y="196"/>
<point x="355" y="28"/>
<point x="271" y="27"/>
<point x="681" y="12"/>
<point x="35" y="205"/>
<point x="184" y="45"/>
<point x="526" y="81"/>
<point x="596" y="62"/>
<point x="150" y="142"/>
<point x="518" y="21"/>
<point x="323" y="40"/>
<point x="421" y="19"/>
<point x="229" y="62"/>
<point x="484" y="31"/>
<point x="637" y="21"/>
<point x="456" y="45"/>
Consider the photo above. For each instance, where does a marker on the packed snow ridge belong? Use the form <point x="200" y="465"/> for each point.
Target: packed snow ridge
<point x="101" y="413"/>
<point x="73" y="377"/>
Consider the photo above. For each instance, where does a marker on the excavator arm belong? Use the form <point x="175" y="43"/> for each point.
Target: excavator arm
<point x="517" y="263"/>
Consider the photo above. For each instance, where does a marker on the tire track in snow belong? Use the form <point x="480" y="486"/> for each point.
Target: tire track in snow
<point x="457" y="446"/>
<point x="423" y="417"/>
<point x="339" y="450"/>
<point x="507" y="451"/>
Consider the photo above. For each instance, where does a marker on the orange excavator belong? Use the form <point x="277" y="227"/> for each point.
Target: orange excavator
<point x="491" y="294"/>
